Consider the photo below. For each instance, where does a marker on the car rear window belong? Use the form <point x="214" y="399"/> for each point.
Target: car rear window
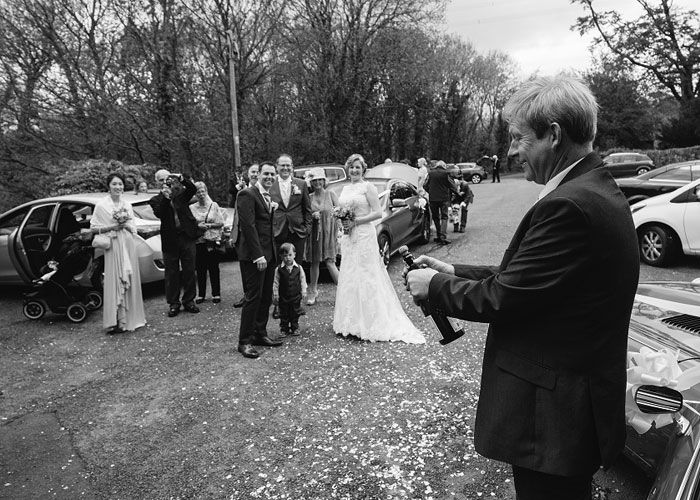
<point x="675" y="174"/>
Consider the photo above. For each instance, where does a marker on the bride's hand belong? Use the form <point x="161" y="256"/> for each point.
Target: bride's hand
<point x="348" y="225"/>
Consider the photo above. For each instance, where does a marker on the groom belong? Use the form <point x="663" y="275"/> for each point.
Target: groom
<point x="256" y="255"/>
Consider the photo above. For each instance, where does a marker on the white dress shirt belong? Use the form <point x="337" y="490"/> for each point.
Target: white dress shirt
<point x="285" y="189"/>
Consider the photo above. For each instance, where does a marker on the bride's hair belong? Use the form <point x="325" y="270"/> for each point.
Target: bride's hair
<point x="353" y="158"/>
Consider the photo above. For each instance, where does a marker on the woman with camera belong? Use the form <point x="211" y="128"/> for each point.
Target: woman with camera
<point x="209" y="246"/>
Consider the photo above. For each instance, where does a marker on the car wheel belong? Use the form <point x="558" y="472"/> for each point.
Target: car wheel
<point x="93" y="300"/>
<point x="384" y="248"/>
<point x="425" y="232"/>
<point x="34" y="309"/>
<point x="76" y="312"/>
<point x="98" y="274"/>
<point x="656" y="245"/>
<point x="643" y="170"/>
<point x="476" y="178"/>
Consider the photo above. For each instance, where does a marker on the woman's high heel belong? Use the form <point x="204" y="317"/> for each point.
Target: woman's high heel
<point x="312" y="298"/>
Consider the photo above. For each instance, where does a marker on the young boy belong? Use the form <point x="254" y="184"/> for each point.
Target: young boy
<point x="288" y="290"/>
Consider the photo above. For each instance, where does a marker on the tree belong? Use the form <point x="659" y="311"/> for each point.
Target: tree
<point x="626" y="116"/>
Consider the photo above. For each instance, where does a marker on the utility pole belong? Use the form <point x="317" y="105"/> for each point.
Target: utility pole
<point x="232" y="54"/>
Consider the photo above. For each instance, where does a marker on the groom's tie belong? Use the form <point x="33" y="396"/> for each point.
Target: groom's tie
<point x="268" y="200"/>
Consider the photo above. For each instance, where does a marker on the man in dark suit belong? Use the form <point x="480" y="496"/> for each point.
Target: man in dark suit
<point x="440" y="186"/>
<point x="292" y="222"/>
<point x="256" y="254"/>
<point x="178" y="233"/>
<point x="552" y="399"/>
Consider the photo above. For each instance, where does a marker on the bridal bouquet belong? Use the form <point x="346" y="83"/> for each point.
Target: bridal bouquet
<point x="121" y="215"/>
<point x="344" y="213"/>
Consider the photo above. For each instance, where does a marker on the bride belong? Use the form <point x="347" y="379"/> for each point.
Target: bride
<point x="366" y="304"/>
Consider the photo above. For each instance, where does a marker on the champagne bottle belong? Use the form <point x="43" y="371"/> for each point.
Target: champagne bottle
<point x="448" y="329"/>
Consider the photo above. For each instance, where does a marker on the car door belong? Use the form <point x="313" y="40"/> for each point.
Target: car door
<point x="400" y="220"/>
<point x="691" y="223"/>
<point x="10" y="268"/>
<point x="33" y="240"/>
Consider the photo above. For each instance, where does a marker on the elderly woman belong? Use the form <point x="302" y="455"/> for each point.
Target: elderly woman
<point x="321" y="245"/>
<point x="209" y="247"/>
<point x="113" y="220"/>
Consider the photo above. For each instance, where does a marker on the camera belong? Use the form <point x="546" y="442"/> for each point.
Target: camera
<point x="173" y="177"/>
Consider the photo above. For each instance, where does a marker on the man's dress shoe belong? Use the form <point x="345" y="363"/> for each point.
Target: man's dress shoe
<point x="173" y="311"/>
<point x="239" y="303"/>
<point x="267" y="342"/>
<point x="191" y="308"/>
<point x="248" y="351"/>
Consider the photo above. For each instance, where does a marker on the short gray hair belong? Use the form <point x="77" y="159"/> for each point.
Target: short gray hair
<point x="563" y="99"/>
<point x="200" y="184"/>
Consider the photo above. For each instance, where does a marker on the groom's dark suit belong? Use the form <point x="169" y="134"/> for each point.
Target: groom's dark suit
<point x="554" y="370"/>
<point x="292" y="221"/>
<point x="255" y="240"/>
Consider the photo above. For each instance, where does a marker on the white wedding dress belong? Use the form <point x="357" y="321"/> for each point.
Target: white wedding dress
<point x="366" y="304"/>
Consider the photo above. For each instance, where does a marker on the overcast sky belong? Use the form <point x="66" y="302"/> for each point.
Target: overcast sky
<point x="535" y="33"/>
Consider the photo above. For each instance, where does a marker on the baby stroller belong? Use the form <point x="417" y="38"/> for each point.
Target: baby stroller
<point x="58" y="289"/>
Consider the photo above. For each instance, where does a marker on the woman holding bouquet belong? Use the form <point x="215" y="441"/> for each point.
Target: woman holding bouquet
<point x="114" y="217"/>
<point x="321" y="245"/>
<point x="366" y="304"/>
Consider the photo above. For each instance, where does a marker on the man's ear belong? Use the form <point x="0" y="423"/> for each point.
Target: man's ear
<point x="557" y="134"/>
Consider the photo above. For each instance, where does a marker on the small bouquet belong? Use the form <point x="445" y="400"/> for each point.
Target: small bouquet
<point x="344" y="213"/>
<point x="121" y="215"/>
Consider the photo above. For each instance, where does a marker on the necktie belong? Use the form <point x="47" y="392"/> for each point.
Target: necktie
<point x="175" y="216"/>
<point x="268" y="200"/>
<point x="286" y="187"/>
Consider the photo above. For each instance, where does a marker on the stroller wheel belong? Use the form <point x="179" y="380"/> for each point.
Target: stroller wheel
<point x="93" y="300"/>
<point x="34" y="309"/>
<point x="76" y="312"/>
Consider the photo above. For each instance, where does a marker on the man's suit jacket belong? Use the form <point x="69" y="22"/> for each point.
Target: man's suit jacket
<point x="440" y="185"/>
<point x="163" y="209"/>
<point x="553" y="381"/>
<point x="255" y="236"/>
<point x="296" y="216"/>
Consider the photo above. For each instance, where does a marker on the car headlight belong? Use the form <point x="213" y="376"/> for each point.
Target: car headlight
<point x="638" y="206"/>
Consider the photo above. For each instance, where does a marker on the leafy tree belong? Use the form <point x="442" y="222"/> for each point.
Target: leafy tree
<point x="626" y="116"/>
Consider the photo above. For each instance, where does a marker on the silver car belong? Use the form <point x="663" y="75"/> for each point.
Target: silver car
<point x="31" y="233"/>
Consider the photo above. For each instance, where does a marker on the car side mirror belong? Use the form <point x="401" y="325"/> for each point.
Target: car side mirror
<point x="657" y="399"/>
<point x="398" y="202"/>
<point x="697" y="193"/>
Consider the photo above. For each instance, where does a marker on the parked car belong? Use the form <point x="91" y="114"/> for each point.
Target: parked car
<point x="628" y="164"/>
<point x="666" y="316"/>
<point x="404" y="216"/>
<point x="660" y="180"/>
<point x="30" y="235"/>
<point x="667" y="224"/>
<point x="471" y="172"/>
<point x="335" y="172"/>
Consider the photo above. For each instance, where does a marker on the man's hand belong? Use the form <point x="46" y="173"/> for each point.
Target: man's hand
<point x="167" y="192"/>
<point x="262" y="264"/>
<point x="433" y="263"/>
<point x="418" y="283"/>
<point x="275" y="300"/>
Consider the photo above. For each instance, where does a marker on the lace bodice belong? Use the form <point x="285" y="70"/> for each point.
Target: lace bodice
<point x="355" y="197"/>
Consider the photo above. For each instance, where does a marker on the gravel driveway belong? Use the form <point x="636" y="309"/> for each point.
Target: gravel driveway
<point x="172" y="411"/>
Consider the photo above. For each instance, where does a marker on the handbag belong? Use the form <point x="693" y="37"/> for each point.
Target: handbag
<point x="102" y="241"/>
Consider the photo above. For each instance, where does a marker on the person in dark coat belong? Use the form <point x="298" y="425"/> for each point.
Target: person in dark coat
<point x="552" y="400"/>
<point x="256" y="255"/>
<point x="496" y="172"/>
<point x="178" y="233"/>
<point x="440" y="188"/>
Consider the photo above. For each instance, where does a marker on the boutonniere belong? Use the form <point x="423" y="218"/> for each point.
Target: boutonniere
<point x="273" y="205"/>
<point x="295" y="189"/>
